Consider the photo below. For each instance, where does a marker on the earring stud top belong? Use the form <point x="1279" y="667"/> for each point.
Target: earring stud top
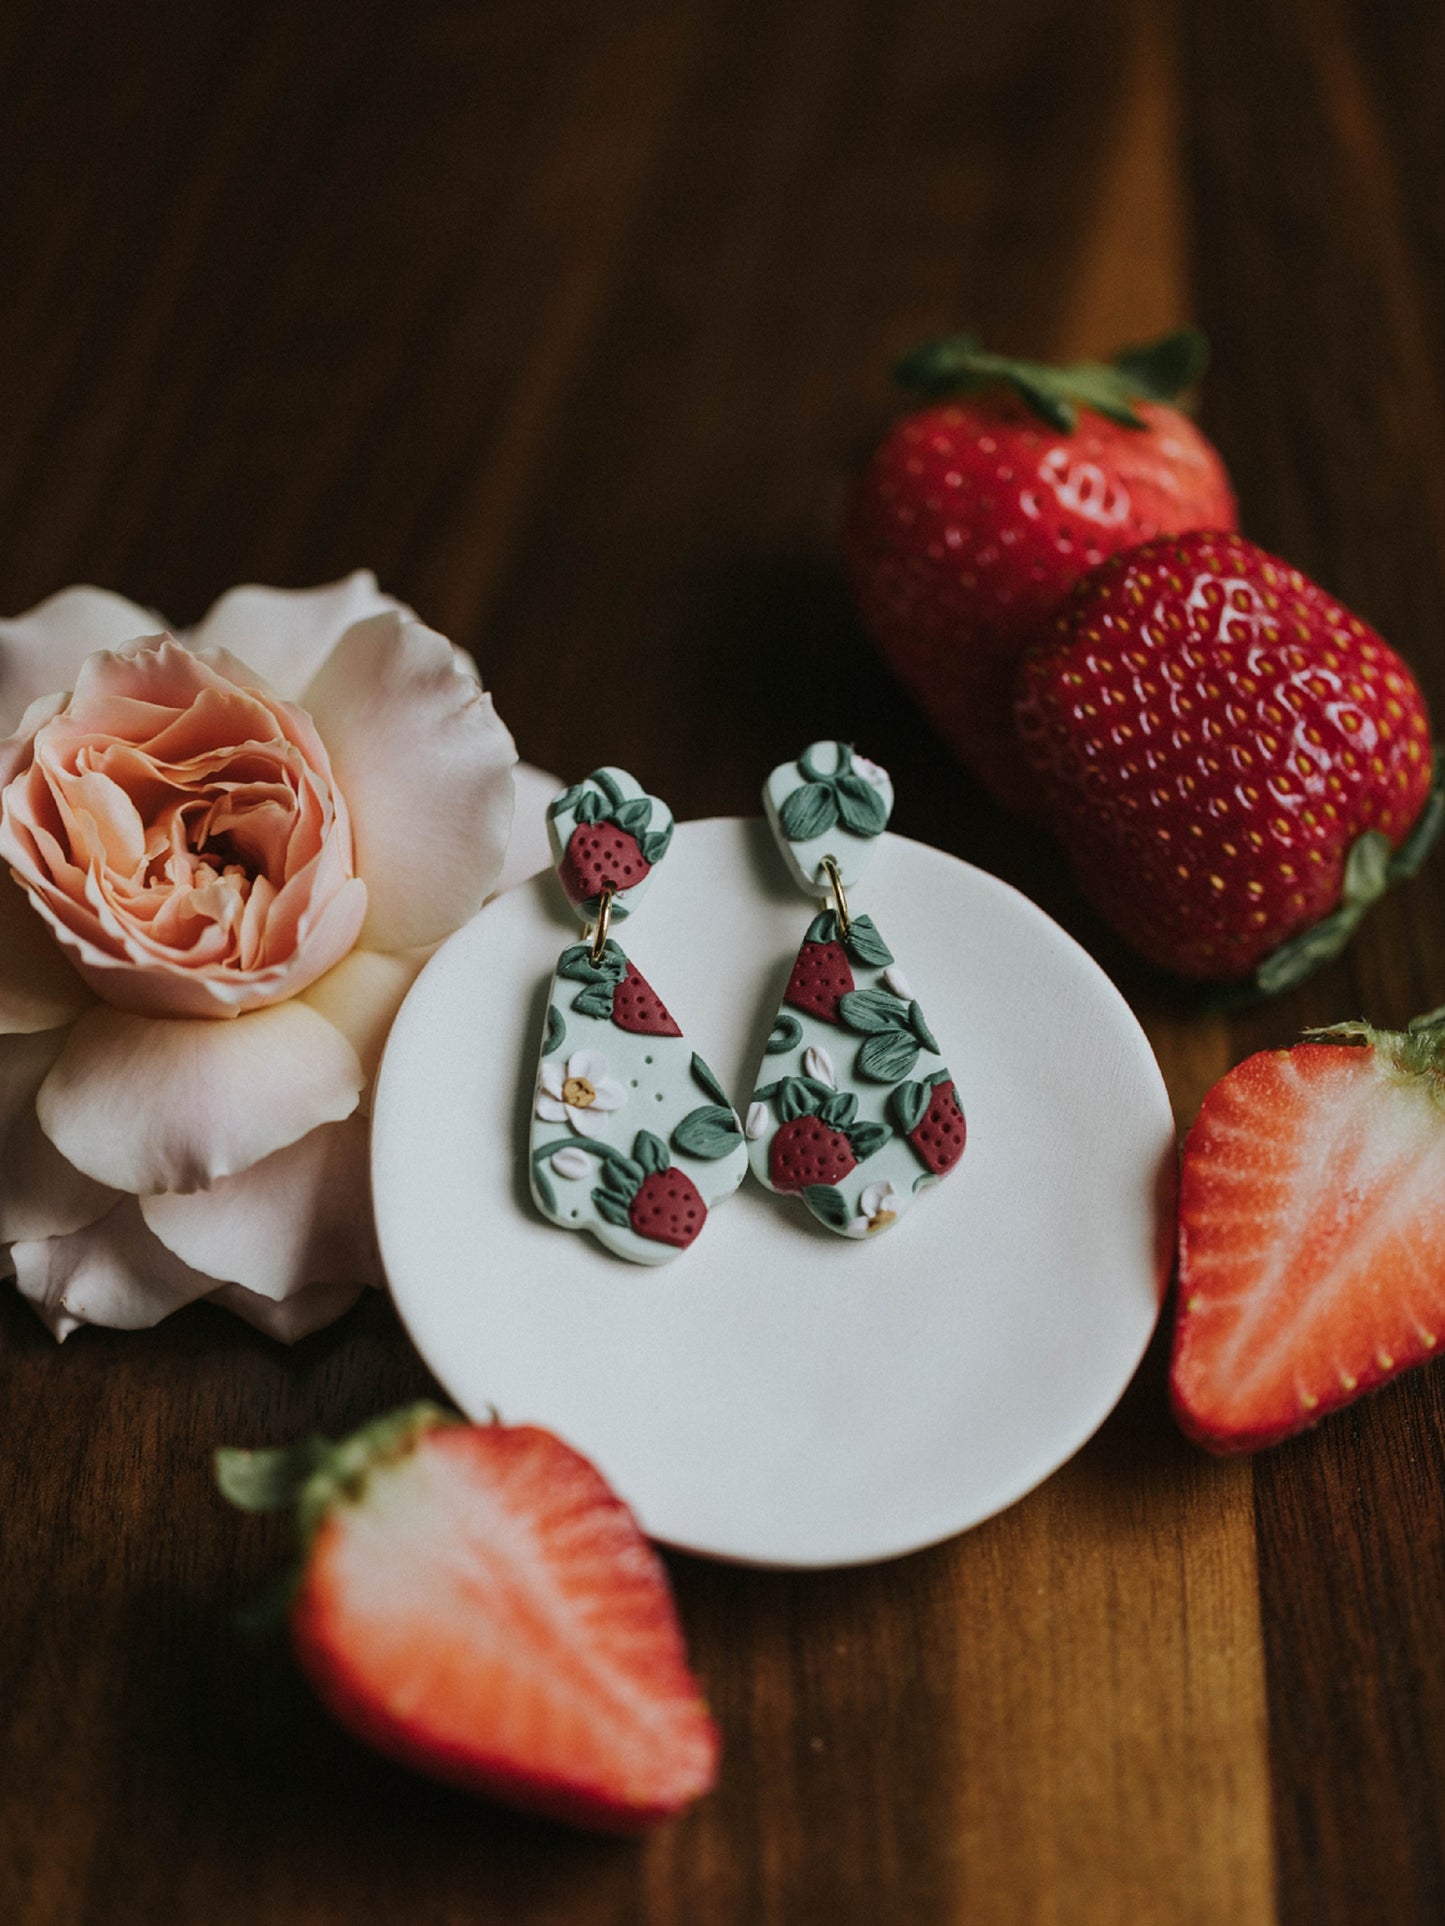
<point x="828" y="809"/>
<point x="607" y="836"/>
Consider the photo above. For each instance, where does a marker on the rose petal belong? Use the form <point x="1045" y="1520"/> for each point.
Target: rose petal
<point x="151" y="1105"/>
<point x="285" y="635"/>
<point x="528" y="850"/>
<point x="301" y="1216"/>
<point x="41" y="1195"/>
<point x="114" y="1272"/>
<point x="42" y="650"/>
<point x="425" y="767"/>
<point x="38" y="988"/>
<point x="362" y="995"/>
<point x="610" y="1095"/>
<point x="588" y="1066"/>
<point x="294" y="1317"/>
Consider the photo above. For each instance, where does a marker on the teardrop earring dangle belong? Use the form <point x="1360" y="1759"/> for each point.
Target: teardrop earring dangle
<point x="632" y="1135"/>
<point x="855" y="1110"/>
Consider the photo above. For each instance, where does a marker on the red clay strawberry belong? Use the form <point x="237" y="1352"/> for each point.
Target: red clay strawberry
<point x="600" y="855"/>
<point x="1233" y="761"/>
<point x="475" y="1602"/>
<point x="977" y="515"/>
<point x="807" y="1151"/>
<point x="637" y="1007"/>
<point x="1311" y="1234"/>
<point x="940" y="1135"/>
<point x="822" y="976"/>
<point x="668" y="1208"/>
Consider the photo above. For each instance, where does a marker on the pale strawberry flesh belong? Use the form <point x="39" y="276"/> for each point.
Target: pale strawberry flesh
<point x="490" y="1614"/>
<point x="1312" y="1242"/>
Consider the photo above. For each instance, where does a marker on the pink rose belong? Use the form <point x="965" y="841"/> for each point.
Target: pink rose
<point x="229" y="854"/>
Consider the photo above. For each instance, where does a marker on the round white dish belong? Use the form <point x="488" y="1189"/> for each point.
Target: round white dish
<point x="778" y="1395"/>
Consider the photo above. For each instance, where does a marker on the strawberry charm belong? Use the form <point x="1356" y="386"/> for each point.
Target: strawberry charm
<point x="632" y="1136"/>
<point x="979" y="512"/>
<point x="854" y="1111"/>
<point x="1237" y="766"/>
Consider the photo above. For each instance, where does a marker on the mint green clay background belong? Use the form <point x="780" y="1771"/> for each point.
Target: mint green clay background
<point x="897" y="1162"/>
<point x="661" y="1088"/>
<point x="804" y="860"/>
<point x="784" y="1397"/>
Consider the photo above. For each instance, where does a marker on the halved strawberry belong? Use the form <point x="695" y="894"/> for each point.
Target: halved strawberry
<point x="1311" y="1235"/>
<point x="940" y="1133"/>
<point x="637" y="1007"/>
<point x="821" y="977"/>
<point x="475" y="1602"/>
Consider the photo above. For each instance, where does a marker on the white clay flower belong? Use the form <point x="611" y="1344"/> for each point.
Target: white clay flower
<point x="818" y="1065"/>
<point x="757" y="1121"/>
<point x="572" y="1163"/>
<point x="898" y="983"/>
<point x="877" y="1209"/>
<point x="870" y="771"/>
<point x="582" y="1095"/>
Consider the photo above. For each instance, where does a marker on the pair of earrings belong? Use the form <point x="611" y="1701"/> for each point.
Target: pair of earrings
<point x="633" y="1136"/>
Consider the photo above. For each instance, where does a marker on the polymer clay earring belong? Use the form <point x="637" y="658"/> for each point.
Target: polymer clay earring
<point x="633" y="1137"/>
<point x="855" y="1110"/>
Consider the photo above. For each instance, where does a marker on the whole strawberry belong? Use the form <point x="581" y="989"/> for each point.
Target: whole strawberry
<point x="1311" y="1233"/>
<point x="1236" y="765"/>
<point x="475" y="1602"/>
<point x="976" y="516"/>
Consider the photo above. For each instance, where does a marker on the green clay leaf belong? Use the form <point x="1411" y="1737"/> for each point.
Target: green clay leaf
<point x="822" y="929"/>
<point x="612" y="1208"/>
<point x="268" y="1480"/>
<point x="920" y="1028"/>
<point x="786" y="1034"/>
<point x="576" y="961"/>
<point x="595" y="1001"/>
<point x="862" y="809"/>
<point x="839" y="1111"/>
<point x="908" y="1106"/>
<point x="654" y="845"/>
<point x="556" y="1030"/>
<point x="590" y="807"/>
<point x="542" y="1187"/>
<point x="633" y="816"/>
<point x="809" y="770"/>
<point x="865" y="945"/>
<point x="888" y="1058"/>
<point x="873" y="1012"/>
<point x="651" y="1153"/>
<point x="703" y="1077"/>
<point x="936" y="1077"/>
<point x="709" y="1133"/>
<point x="827" y="1204"/>
<point x="607" y="783"/>
<point x="808" y="812"/>
<point x="868" y="1139"/>
<point x="568" y="800"/>
<point x="800" y="1097"/>
<point x="622" y="1175"/>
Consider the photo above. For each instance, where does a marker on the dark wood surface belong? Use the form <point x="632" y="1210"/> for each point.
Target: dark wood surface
<point x="570" y="320"/>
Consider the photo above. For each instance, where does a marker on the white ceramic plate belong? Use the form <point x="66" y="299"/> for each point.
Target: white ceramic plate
<point x="779" y="1395"/>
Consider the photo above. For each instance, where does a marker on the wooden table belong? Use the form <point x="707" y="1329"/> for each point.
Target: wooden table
<point x="571" y="320"/>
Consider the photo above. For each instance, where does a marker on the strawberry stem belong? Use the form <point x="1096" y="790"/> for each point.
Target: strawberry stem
<point x="1158" y="371"/>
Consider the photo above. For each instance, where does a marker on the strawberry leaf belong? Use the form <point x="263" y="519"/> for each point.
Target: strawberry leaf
<point x="576" y="961"/>
<point x="827" y="1204"/>
<point x="612" y="1208"/>
<point x="786" y="1034"/>
<point x="654" y="845"/>
<point x="888" y="1058"/>
<point x="607" y="783"/>
<point x="909" y="1106"/>
<point x="595" y="1001"/>
<point x="710" y="1132"/>
<point x="268" y="1480"/>
<point x="568" y="800"/>
<point x="859" y="804"/>
<point x="840" y="1110"/>
<point x="542" y="1185"/>
<point x="920" y="1029"/>
<point x="872" y="1012"/>
<point x="801" y="1097"/>
<point x="703" y="1077"/>
<point x="556" y="1030"/>
<point x="822" y="929"/>
<point x="633" y="816"/>
<point x="809" y="812"/>
<point x="865" y="945"/>
<point x="651" y="1153"/>
<point x="590" y="807"/>
<point x="869" y="1138"/>
<point x="1166" y="368"/>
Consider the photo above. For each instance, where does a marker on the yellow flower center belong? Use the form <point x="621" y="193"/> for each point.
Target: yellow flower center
<point x="881" y="1219"/>
<point x="578" y="1092"/>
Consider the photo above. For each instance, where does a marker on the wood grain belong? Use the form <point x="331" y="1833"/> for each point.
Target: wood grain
<point x="572" y="322"/>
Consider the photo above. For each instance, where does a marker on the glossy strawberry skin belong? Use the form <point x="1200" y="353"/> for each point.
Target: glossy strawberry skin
<point x="971" y="523"/>
<point x="822" y="976"/>
<point x="598" y="855"/>
<point x="806" y="1151"/>
<point x="425" y="1618"/>
<point x="940" y="1135"/>
<point x="1311" y="1243"/>
<point x="668" y="1208"/>
<point x="637" y="1007"/>
<point x="1213" y="733"/>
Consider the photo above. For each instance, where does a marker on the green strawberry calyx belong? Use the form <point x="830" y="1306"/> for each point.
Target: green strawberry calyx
<point x="1415" y="1054"/>
<point x="1160" y="370"/>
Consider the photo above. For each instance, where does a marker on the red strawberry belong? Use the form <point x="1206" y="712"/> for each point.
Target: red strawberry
<point x="668" y="1208"/>
<point x="940" y="1135"/>
<point x="1215" y="735"/>
<point x="1311" y="1235"/>
<point x="821" y="976"/>
<point x="977" y="515"/>
<point x="806" y="1151"/>
<point x="599" y="855"/>
<point x="476" y="1603"/>
<point x="636" y="1006"/>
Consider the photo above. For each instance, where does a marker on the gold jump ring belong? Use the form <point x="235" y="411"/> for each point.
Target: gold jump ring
<point x="604" y="918"/>
<point x="840" y="901"/>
